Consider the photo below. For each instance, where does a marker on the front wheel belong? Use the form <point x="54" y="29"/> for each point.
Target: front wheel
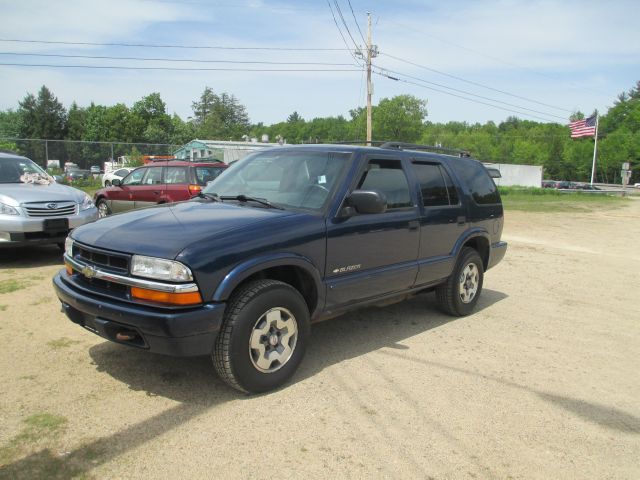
<point x="107" y="183"/>
<point x="459" y="294"/>
<point x="103" y="208"/>
<point x="263" y="337"/>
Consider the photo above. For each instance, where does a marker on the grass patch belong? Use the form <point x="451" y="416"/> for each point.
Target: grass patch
<point x="41" y="426"/>
<point x="62" y="342"/>
<point x="551" y="200"/>
<point x="12" y="285"/>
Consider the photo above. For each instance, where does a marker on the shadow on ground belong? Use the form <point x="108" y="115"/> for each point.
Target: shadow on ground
<point x="30" y="257"/>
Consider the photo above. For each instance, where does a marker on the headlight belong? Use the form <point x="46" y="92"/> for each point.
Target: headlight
<point x="68" y="247"/>
<point x="86" y="202"/>
<point x="8" y="210"/>
<point x="160" y="269"/>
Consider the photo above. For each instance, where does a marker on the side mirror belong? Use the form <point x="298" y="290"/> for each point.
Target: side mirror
<point x="367" y="201"/>
<point x="116" y="182"/>
<point x="494" y="172"/>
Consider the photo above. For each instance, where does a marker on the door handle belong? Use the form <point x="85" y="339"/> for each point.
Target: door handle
<point x="156" y="192"/>
<point x="414" y="225"/>
<point x="462" y="220"/>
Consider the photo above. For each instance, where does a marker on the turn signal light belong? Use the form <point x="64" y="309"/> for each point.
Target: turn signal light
<point x="68" y="268"/>
<point x="188" y="298"/>
<point x="195" y="189"/>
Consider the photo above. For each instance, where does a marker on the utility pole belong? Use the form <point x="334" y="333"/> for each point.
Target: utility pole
<point x="372" y="52"/>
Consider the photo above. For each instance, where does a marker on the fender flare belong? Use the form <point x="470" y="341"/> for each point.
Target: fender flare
<point x="241" y="272"/>
<point x="468" y="235"/>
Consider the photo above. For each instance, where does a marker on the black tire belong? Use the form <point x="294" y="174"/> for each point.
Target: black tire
<point x="102" y="206"/>
<point x="107" y="183"/>
<point x="232" y="355"/>
<point x="448" y="294"/>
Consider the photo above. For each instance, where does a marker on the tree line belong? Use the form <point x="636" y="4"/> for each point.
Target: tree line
<point x="221" y="116"/>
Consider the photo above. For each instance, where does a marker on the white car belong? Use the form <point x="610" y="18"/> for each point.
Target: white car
<point x="107" y="178"/>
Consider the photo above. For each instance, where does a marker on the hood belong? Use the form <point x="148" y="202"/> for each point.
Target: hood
<point x="164" y="231"/>
<point x="16" y="193"/>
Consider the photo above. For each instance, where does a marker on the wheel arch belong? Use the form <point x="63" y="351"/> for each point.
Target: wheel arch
<point x="479" y="241"/>
<point x="295" y="270"/>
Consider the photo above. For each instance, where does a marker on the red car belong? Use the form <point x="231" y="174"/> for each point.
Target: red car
<point x="155" y="183"/>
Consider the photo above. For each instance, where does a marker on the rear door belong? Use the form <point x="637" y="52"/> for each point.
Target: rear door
<point x="151" y="190"/>
<point x="176" y="179"/>
<point x="372" y="255"/>
<point x="442" y="220"/>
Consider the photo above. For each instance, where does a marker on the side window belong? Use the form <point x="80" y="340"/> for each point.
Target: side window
<point x="387" y="177"/>
<point x="121" y="173"/>
<point x="451" y="188"/>
<point x="432" y="185"/>
<point x="135" y="177"/>
<point x="473" y="174"/>
<point x="175" y="175"/>
<point x="153" y="176"/>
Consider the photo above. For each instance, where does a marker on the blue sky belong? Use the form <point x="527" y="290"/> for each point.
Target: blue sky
<point x="564" y="55"/>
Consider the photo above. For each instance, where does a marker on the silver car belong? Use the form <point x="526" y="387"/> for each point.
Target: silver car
<point x="36" y="210"/>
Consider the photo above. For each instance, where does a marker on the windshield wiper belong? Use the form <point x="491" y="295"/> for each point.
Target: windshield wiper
<point x="209" y="196"/>
<point x="246" y="198"/>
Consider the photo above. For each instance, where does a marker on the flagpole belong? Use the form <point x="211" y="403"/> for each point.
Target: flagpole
<point x="595" y="150"/>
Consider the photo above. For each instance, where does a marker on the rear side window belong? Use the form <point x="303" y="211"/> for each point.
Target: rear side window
<point x="176" y="175"/>
<point x="205" y="174"/>
<point x="121" y="173"/>
<point x="387" y="177"/>
<point x="433" y="185"/>
<point x="473" y="174"/>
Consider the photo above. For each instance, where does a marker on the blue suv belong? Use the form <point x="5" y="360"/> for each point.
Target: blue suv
<point x="284" y="238"/>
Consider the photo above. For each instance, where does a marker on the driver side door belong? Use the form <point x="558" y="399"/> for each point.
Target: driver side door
<point x="122" y="197"/>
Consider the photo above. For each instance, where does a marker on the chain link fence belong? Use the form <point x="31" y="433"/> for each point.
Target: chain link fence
<point x="82" y="153"/>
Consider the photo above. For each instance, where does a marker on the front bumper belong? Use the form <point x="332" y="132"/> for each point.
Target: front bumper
<point x="177" y="332"/>
<point x="17" y="230"/>
<point x="497" y="253"/>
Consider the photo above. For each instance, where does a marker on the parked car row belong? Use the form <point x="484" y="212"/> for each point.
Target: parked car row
<point x="565" y="185"/>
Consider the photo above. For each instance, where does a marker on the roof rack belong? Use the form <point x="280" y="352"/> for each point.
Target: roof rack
<point x="408" y="146"/>
<point x="427" y="148"/>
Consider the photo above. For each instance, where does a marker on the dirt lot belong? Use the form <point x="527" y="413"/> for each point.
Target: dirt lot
<point x="542" y="382"/>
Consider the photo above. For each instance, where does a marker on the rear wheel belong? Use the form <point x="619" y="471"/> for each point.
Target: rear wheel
<point x="263" y="337"/>
<point x="459" y="294"/>
<point x="103" y="208"/>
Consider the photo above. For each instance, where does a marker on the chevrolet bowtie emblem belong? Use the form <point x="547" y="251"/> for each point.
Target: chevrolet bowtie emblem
<point x="88" y="271"/>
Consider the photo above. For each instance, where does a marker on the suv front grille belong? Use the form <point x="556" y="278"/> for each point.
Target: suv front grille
<point x="114" y="262"/>
<point x="111" y="261"/>
<point x="50" y="209"/>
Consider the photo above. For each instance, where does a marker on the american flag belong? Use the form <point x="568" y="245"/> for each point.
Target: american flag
<point x="583" y="128"/>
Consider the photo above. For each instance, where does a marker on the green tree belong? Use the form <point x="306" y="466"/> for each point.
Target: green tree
<point x="42" y="116"/>
<point x="400" y="118"/>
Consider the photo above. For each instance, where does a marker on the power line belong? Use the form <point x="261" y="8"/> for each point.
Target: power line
<point x="339" y="10"/>
<point x="107" y="57"/>
<point x="356" y="22"/>
<point x="477" y="84"/>
<point x="152" y="45"/>
<point x="470" y="93"/>
<point x="183" y="69"/>
<point x="346" y="44"/>
<point x="496" y="59"/>
<point x="464" y="98"/>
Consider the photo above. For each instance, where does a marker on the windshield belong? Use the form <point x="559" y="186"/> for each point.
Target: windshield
<point x="12" y="170"/>
<point x="290" y="179"/>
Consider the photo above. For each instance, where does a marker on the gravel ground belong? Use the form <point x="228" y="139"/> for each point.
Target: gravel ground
<point x="541" y="382"/>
